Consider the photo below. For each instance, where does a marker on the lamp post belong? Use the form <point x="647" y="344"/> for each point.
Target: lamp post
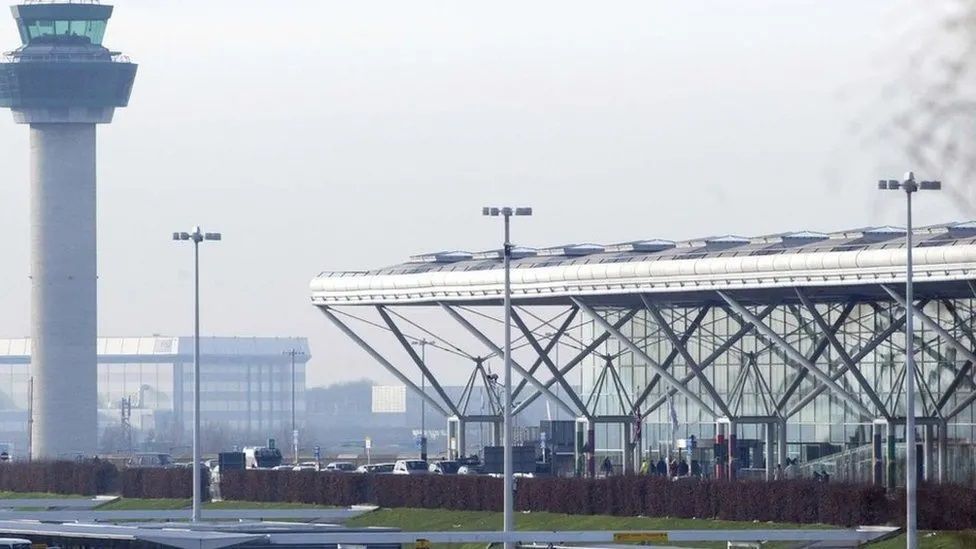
<point x="294" y="426"/>
<point x="910" y="186"/>
<point x="196" y="236"/>
<point x="423" y="343"/>
<point x="508" y="523"/>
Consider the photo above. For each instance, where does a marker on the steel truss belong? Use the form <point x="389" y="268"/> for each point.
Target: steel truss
<point x="728" y="363"/>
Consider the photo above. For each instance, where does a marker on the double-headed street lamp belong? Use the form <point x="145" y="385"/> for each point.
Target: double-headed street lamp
<point x="910" y="186"/>
<point x="508" y="507"/>
<point x="196" y="236"/>
<point x="294" y="426"/>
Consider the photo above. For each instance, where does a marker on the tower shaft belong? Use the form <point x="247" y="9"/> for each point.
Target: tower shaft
<point x="63" y="288"/>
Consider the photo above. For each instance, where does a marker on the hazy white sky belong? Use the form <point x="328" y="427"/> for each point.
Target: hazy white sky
<point x="342" y="135"/>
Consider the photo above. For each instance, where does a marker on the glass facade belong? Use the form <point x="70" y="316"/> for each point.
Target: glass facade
<point x="754" y="378"/>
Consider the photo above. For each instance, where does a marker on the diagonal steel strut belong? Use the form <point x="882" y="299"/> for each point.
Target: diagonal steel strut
<point x="842" y="353"/>
<point x="578" y="358"/>
<point x="379" y="358"/>
<point x="495" y="348"/>
<point x="796" y="355"/>
<point x="643" y="357"/>
<point x="544" y="356"/>
<point x="689" y="360"/>
<point x="417" y="360"/>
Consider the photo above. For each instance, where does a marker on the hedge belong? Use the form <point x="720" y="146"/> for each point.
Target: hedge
<point x="940" y="507"/>
<point x="162" y="483"/>
<point x="86" y="478"/>
<point x="946" y="507"/>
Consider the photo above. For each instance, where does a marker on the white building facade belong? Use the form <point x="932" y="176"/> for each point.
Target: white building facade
<point x="145" y="389"/>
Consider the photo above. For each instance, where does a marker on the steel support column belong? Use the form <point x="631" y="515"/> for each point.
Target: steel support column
<point x="943" y="452"/>
<point x="781" y="448"/>
<point x="877" y="459"/>
<point x="770" y="428"/>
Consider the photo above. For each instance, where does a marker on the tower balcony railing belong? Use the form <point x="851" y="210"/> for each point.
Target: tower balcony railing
<point x="65" y="57"/>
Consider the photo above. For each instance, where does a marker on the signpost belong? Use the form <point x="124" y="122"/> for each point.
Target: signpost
<point x="369" y="445"/>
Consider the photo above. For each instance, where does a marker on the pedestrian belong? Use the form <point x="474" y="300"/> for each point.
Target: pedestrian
<point x="778" y="474"/>
<point x="607" y="466"/>
<point x="682" y="468"/>
<point x="662" y="468"/>
<point x="696" y="470"/>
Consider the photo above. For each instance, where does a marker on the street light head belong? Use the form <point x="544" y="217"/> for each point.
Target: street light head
<point x="212" y="236"/>
<point x="490" y="211"/>
<point x="523" y="211"/>
<point x="883" y="184"/>
<point x="930" y="185"/>
<point x="506" y="211"/>
<point x="893" y="185"/>
<point x="181" y="236"/>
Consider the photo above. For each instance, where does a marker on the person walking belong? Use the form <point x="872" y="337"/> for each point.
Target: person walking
<point x="607" y="466"/>
<point x="662" y="468"/>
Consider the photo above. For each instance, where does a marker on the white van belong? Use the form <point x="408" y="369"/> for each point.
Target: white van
<point x="15" y="543"/>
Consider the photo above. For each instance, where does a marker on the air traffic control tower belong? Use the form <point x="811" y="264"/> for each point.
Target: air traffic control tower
<point x="62" y="82"/>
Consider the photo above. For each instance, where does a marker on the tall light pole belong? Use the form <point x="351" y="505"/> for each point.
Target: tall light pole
<point x="910" y="186"/>
<point x="508" y="524"/>
<point x="294" y="426"/>
<point x="196" y="236"/>
<point x="423" y="343"/>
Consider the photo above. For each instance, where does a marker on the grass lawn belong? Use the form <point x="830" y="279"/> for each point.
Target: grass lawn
<point x="429" y="520"/>
<point x="38" y="495"/>
<point x="441" y="520"/>
<point x="933" y="540"/>
<point x="131" y="504"/>
<point x="162" y="504"/>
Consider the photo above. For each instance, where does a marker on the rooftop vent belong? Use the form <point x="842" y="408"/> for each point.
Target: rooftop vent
<point x="650" y="246"/>
<point x="582" y="249"/>
<point x="885" y="232"/>
<point x="519" y="252"/>
<point x="800" y="238"/>
<point x="727" y="241"/>
<point x="452" y="257"/>
<point x="962" y="230"/>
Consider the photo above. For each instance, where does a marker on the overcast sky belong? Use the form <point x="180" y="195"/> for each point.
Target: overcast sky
<point x="344" y="135"/>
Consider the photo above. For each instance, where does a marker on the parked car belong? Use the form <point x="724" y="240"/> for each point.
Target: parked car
<point x="375" y="468"/>
<point x="150" y="459"/>
<point x="282" y="468"/>
<point x="341" y="467"/>
<point x="446" y="467"/>
<point x="15" y="543"/>
<point x="410" y="467"/>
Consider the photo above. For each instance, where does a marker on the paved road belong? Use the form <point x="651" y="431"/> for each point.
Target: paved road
<point x="85" y="515"/>
<point x="59" y="503"/>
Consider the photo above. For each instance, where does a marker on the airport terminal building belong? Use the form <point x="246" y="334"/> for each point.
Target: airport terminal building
<point x="768" y="348"/>
<point x="147" y="383"/>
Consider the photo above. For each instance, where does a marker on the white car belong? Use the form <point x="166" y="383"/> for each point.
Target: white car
<point x="410" y="467"/>
<point x="341" y="467"/>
